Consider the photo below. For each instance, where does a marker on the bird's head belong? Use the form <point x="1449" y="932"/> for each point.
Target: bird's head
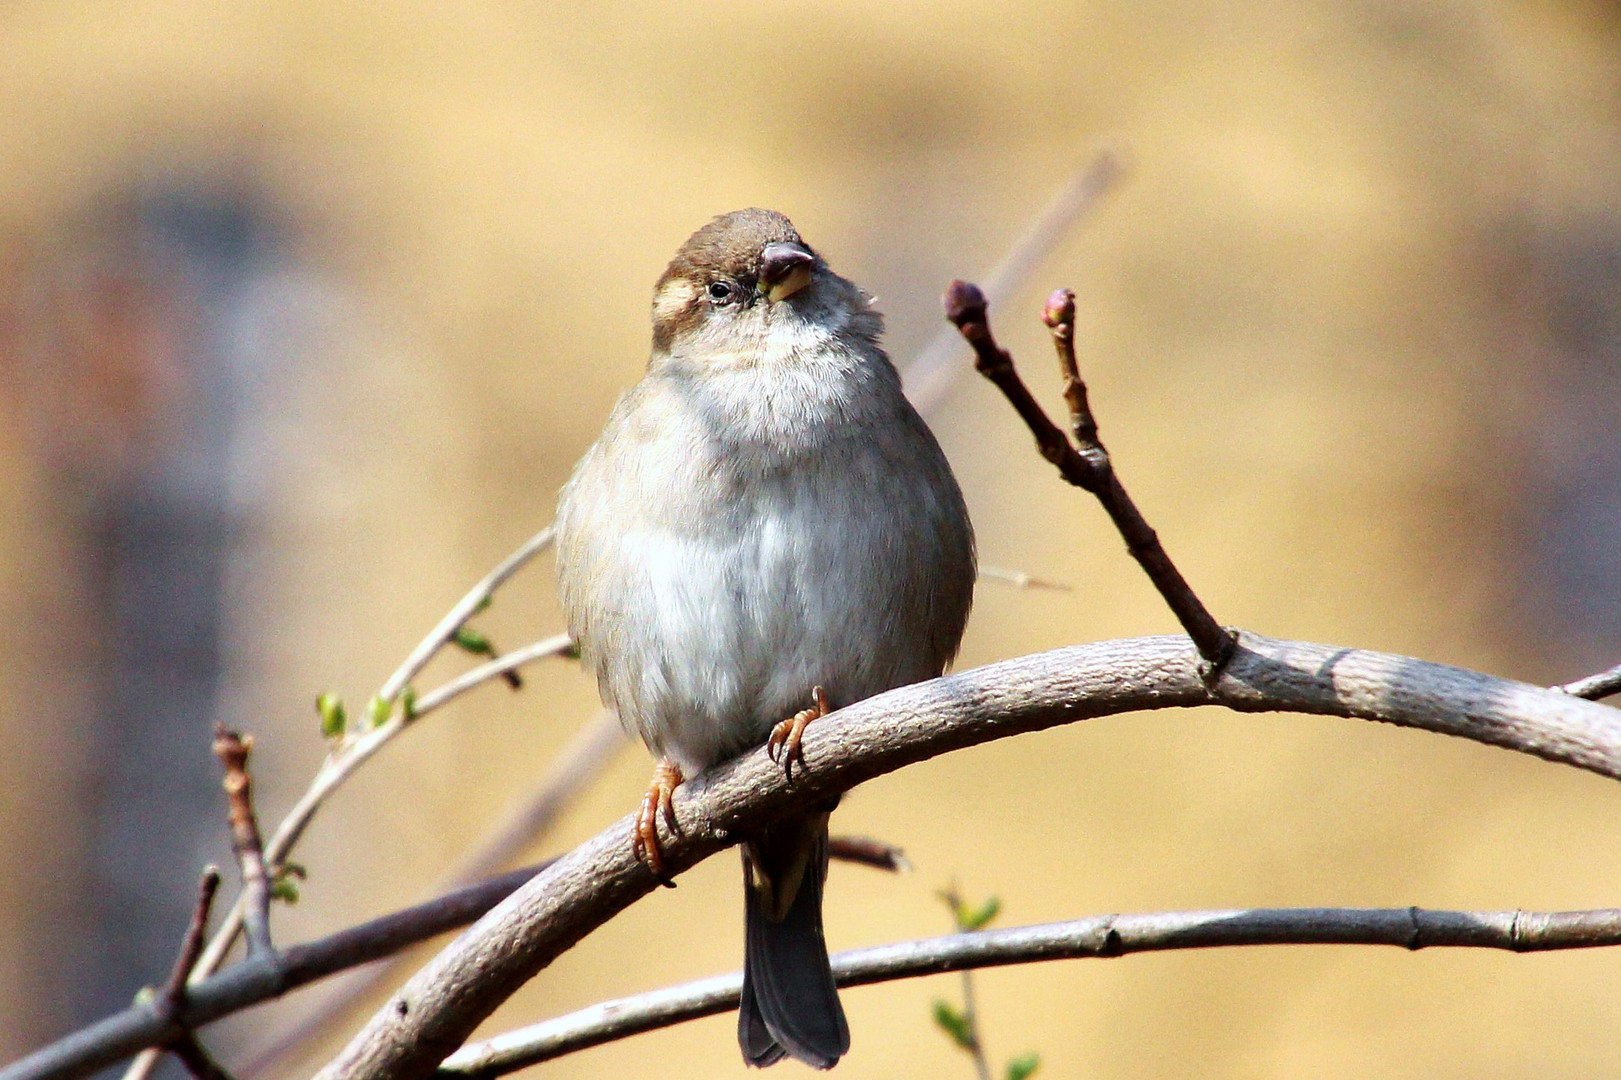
<point x="744" y="279"/>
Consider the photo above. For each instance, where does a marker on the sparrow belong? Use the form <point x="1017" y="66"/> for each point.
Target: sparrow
<point x="765" y="530"/>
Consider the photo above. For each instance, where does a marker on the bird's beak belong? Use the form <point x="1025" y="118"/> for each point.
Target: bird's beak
<point x="785" y="268"/>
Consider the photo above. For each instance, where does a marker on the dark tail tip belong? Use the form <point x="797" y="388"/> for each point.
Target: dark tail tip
<point x="790" y="1005"/>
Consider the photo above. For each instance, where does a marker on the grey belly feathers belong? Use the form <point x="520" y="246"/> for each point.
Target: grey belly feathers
<point x="714" y="572"/>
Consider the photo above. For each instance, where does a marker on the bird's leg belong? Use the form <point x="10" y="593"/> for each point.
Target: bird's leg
<point x="644" y="835"/>
<point x="785" y="737"/>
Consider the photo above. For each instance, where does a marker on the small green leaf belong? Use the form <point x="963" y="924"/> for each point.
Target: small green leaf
<point x="1022" y="1068"/>
<point x="472" y="641"/>
<point x="284" y="882"/>
<point x="978" y="918"/>
<point x="146" y="995"/>
<point x="378" y="709"/>
<point x="408" y="703"/>
<point x="484" y="604"/>
<point x="953" y="1023"/>
<point x="333" y="720"/>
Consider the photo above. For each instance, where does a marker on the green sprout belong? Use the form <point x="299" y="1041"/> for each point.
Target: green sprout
<point x="284" y="882"/>
<point x="962" y="1025"/>
<point x="334" y="722"/>
<point x="1022" y="1068"/>
<point x="955" y="1023"/>
<point x="470" y="640"/>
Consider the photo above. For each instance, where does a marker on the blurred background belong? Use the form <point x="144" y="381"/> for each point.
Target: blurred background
<point x="306" y="311"/>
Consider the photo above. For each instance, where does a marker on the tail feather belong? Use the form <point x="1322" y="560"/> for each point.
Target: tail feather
<point x="790" y="1005"/>
<point x="759" y="1048"/>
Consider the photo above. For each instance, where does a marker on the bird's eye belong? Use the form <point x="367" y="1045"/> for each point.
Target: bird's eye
<point x="720" y="291"/>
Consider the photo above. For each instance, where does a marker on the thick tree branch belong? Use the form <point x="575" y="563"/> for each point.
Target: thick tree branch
<point x="436" y="1011"/>
<point x="1104" y="936"/>
<point x="1087" y="467"/>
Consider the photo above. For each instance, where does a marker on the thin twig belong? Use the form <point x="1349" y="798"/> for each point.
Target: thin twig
<point x="141" y="1068"/>
<point x="593" y="747"/>
<point x="969" y="1039"/>
<point x="1102" y="937"/>
<point x="1019" y="579"/>
<point x="1088" y="467"/>
<point x="354" y="751"/>
<point x="982" y="1067"/>
<point x="466" y="608"/>
<point x="930" y="375"/>
<point x="191" y="946"/>
<point x="865" y="851"/>
<point x="171" y="1001"/>
<point x="1594" y="687"/>
<point x="232" y="749"/>
<point x="500" y="667"/>
<point x="441" y="1005"/>
<point x="142" y="1065"/>
<point x="1059" y="316"/>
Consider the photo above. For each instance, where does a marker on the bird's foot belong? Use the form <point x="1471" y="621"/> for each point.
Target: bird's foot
<point x="786" y="736"/>
<point x="644" y="835"/>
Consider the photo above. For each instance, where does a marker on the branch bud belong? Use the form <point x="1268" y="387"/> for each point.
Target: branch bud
<point x="965" y="303"/>
<point x="1060" y="309"/>
<point x="334" y="722"/>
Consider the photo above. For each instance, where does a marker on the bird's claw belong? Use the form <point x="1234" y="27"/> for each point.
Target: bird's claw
<point x="644" y="834"/>
<point x="786" y="736"/>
